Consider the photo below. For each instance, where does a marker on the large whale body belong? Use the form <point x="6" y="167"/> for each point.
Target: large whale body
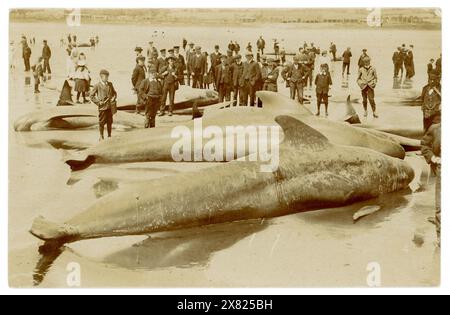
<point x="157" y="144"/>
<point x="312" y="174"/>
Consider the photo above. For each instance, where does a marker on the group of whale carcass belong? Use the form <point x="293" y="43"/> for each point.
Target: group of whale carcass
<point x="322" y="163"/>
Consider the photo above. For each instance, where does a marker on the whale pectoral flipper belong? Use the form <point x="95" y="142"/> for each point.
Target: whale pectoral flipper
<point x="47" y="231"/>
<point x="301" y="136"/>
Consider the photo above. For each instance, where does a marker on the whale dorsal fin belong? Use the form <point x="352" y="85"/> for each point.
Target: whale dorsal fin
<point x="351" y="116"/>
<point x="300" y="135"/>
<point x="281" y="104"/>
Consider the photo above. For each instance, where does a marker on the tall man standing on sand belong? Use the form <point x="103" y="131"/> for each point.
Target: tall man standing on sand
<point x="170" y="85"/>
<point x="46" y="54"/>
<point x="199" y="65"/>
<point x="295" y="76"/>
<point x="180" y="63"/>
<point x="397" y="59"/>
<point x="250" y="77"/>
<point x="139" y="75"/>
<point x="26" y="55"/>
<point x="238" y="85"/>
<point x="346" y="58"/>
<point x="367" y="81"/>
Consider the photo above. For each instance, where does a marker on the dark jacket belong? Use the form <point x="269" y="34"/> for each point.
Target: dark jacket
<point x="270" y="79"/>
<point x="346" y="56"/>
<point x="149" y="88"/>
<point x="397" y="58"/>
<point x="138" y="76"/>
<point x="238" y="71"/>
<point x="251" y="73"/>
<point x="293" y="74"/>
<point x="215" y="60"/>
<point x="26" y="52"/>
<point x="431" y="101"/>
<point x="169" y="75"/>
<point x="223" y="74"/>
<point x="160" y="63"/>
<point x="102" y="94"/>
<point x="431" y="144"/>
<point x="46" y="52"/>
<point x="323" y="83"/>
<point x="180" y="63"/>
<point x="199" y="63"/>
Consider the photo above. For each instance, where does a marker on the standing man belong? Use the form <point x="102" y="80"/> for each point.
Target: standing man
<point x="323" y="82"/>
<point x="150" y="92"/>
<point x="170" y="85"/>
<point x="190" y="53"/>
<point x="162" y="61"/>
<point x="198" y="67"/>
<point x="270" y="75"/>
<point x="431" y="150"/>
<point x="363" y="56"/>
<point x="223" y="75"/>
<point x="397" y="59"/>
<point x="46" y="54"/>
<point x="367" y="81"/>
<point x="430" y="68"/>
<point x="151" y="51"/>
<point x="139" y="75"/>
<point x="346" y="58"/>
<point x="439" y="66"/>
<point x="311" y="64"/>
<point x="138" y="51"/>
<point x="431" y="102"/>
<point x="333" y="50"/>
<point x="215" y="58"/>
<point x="250" y="78"/>
<point x="261" y="44"/>
<point x="180" y="63"/>
<point x="104" y="96"/>
<point x="409" y="63"/>
<point x="295" y="75"/>
<point x="238" y="82"/>
<point x="26" y="55"/>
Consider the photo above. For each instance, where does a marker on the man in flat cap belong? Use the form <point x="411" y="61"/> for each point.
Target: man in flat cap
<point x="250" y="78"/>
<point x="397" y="60"/>
<point x="190" y="53"/>
<point x="150" y="92"/>
<point x="367" y="81"/>
<point x="199" y="65"/>
<point x="238" y="83"/>
<point x="162" y="60"/>
<point x="139" y="75"/>
<point x="223" y="77"/>
<point x="46" y="54"/>
<point x="295" y="75"/>
<point x="180" y="63"/>
<point x="169" y="75"/>
<point x="215" y="59"/>
<point x="104" y="96"/>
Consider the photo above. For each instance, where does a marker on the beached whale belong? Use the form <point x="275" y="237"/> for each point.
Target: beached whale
<point x="72" y="117"/>
<point x="157" y="144"/>
<point x="313" y="173"/>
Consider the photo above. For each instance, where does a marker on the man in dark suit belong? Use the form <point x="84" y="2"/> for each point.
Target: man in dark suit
<point x="215" y="59"/>
<point x="238" y="86"/>
<point x="26" y="55"/>
<point x="162" y="60"/>
<point x="397" y="59"/>
<point x="139" y="74"/>
<point x="251" y="76"/>
<point x="170" y="85"/>
<point x="180" y="63"/>
<point x="223" y="75"/>
<point x="150" y="92"/>
<point x="198" y="68"/>
<point x="46" y="54"/>
<point x="295" y="75"/>
<point x="346" y="59"/>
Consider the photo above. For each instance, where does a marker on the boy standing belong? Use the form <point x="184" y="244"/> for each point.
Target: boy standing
<point x="104" y="96"/>
<point x="38" y="73"/>
<point x="323" y="82"/>
<point x="150" y="92"/>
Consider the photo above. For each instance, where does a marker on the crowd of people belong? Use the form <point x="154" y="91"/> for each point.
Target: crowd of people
<point x="237" y="77"/>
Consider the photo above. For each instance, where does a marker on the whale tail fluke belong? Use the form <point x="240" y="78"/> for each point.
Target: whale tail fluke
<point x="49" y="231"/>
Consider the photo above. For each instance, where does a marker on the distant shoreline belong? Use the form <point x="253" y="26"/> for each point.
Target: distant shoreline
<point x="431" y="27"/>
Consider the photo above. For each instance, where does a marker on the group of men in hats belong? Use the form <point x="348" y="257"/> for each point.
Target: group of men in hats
<point x="156" y="80"/>
<point x="403" y="60"/>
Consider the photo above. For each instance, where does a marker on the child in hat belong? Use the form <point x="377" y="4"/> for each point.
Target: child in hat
<point x="104" y="96"/>
<point x="82" y="79"/>
<point x="150" y="91"/>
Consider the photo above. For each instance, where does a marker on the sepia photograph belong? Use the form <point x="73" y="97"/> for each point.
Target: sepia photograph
<point x="224" y="148"/>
